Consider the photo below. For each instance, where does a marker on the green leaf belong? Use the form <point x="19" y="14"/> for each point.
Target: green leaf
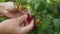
<point x="42" y="5"/>
<point x="2" y="0"/>
<point x="56" y="23"/>
<point x="45" y="23"/>
<point x="3" y="18"/>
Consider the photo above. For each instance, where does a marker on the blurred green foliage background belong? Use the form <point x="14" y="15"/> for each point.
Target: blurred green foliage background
<point x="48" y="11"/>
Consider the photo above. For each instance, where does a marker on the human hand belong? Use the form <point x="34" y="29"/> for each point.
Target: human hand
<point x="12" y="26"/>
<point x="9" y="10"/>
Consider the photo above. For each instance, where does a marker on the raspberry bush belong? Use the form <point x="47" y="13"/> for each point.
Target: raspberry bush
<point x="48" y="11"/>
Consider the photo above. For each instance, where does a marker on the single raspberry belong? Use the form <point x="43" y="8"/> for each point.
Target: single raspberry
<point x="35" y="27"/>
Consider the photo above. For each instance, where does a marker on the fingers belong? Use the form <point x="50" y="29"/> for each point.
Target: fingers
<point x="26" y="23"/>
<point x="29" y="12"/>
<point x="2" y="4"/>
<point x="3" y="11"/>
<point x="21" y="18"/>
<point x="13" y="10"/>
<point x="22" y="25"/>
<point x="9" y="5"/>
<point x="28" y="27"/>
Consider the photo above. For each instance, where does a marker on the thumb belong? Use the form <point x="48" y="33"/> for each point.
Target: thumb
<point x="28" y="27"/>
<point x="2" y="4"/>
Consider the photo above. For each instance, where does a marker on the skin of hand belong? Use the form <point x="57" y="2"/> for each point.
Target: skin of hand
<point x="12" y="26"/>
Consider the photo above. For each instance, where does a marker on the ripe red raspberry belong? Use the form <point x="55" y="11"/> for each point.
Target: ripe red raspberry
<point x="30" y="18"/>
<point x="35" y="27"/>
